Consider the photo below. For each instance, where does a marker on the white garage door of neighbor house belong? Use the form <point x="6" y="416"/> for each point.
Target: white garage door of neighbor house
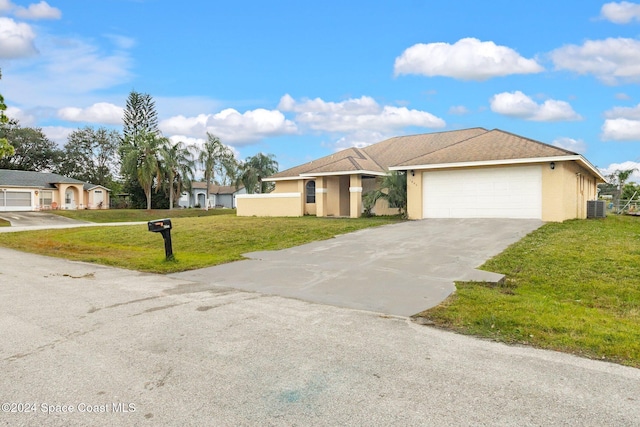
<point x="15" y="200"/>
<point x="509" y="192"/>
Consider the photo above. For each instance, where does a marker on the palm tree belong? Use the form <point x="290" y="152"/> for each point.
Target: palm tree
<point x="393" y="188"/>
<point x="142" y="161"/>
<point x="178" y="164"/>
<point x="619" y="178"/>
<point x="212" y="154"/>
<point x="255" y="169"/>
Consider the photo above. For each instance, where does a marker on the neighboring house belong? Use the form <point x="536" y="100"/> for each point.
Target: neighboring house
<point x="32" y="191"/>
<point x="469" y="173"/>
<point x="223" y="196"/>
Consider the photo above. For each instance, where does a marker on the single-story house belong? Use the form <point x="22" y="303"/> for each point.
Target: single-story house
<point x="223" y="196"/>
<point x="469" y="173"/>
<point x="33" y="191"/>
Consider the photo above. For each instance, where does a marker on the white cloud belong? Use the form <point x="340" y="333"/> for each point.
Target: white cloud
<point x="5" y="6"/>
<point x="24" y="118"/>
<point x="231" y="126"/>
<point x="458" y="110"/>
<point x="65" y="73"/>
<point x="624" y="113"/>
<point x="357" y="114"/>
<point x="59" y="134"/>
<point x="622" y="96"/>
<point x="575" y="145"/>
<point x="620" y="13"/>
<point x="613" y="60"/>
<point x="622" y="124"/>
<point x="517" y="104"/>
<point x="16" y="39"/>
<point x="101" y="112"/>
<point x="628" y="165"/>
<point x="359" y="139"/>
<point x="40" y="10"/>
<point x="621" y="130"/>
<point x="467" y="59"/>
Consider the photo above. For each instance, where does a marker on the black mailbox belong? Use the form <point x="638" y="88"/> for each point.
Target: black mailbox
<point x="163" y="226"/>
<point x="159" y="225"/>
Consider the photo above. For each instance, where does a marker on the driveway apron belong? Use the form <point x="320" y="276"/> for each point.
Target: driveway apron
<point x="399" y="269"/>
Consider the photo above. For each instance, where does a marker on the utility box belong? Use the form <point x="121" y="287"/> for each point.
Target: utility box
<point x="596" y="209"/>
<point x="163" y="226"/>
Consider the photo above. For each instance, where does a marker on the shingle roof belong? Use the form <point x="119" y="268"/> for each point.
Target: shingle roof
<point x="491" y="145"/>
<point x="216" y="189"/>
<point x="16" y="178"/>
<point x="458" y="146"/>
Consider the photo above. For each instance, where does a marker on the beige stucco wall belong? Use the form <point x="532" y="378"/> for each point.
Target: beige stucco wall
<point x="91" y="201"/>
<point x="566" y="190"/>
<point x="286" y="186"/>
<point x="271" y="204"/>
<point x="414" y="195"/>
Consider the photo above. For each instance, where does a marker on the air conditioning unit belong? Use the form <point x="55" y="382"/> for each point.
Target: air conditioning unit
<point x="596" y="209"/>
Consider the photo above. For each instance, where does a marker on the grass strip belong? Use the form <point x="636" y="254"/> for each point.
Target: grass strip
<point x="572" y="287"/>
<point x="197" y="242"/>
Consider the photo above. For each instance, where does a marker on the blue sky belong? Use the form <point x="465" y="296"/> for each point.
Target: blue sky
<point x="303" y="79"/>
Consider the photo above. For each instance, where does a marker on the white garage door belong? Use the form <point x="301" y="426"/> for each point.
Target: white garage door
<point x="511" y="192"/>
<point x="15" y="201"/>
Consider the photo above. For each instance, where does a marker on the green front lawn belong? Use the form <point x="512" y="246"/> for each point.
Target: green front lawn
<point x="572" y="287"/>
<point x="197" y="242"/>
<point x="133" y="215"/>
<point x="4" y="223"/>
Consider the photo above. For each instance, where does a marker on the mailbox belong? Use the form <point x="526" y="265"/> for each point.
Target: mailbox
<point x="159" y="225"/>
<point x="163" y="226"/>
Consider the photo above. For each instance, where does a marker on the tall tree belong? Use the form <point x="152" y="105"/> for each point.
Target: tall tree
<point x="143" y="162"/>
<point x="178" y="164"/>
<point x="212" y="154"/>
<point x="6" y="149"/>
<point x="619" y="178"/>
<point x="33" y="151"/>
<point x="140" y="120"/>
<point x="255" y="169"/>
<point x="91" y="155"/>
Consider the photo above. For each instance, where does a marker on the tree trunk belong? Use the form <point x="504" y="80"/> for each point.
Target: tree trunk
<point x="170" y="192"/>
<point x="206" y="197"/>
<point x="148" y="191"/>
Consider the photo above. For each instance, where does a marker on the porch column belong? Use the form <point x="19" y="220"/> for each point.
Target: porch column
<point x="321" y="196"/>
<point x="355" y="193"/>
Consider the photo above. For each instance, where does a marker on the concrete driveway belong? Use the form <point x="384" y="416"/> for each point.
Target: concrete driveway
<point x="37" y="219"/>
<point x="83" y="344"/>
<point x="398" y="269"/>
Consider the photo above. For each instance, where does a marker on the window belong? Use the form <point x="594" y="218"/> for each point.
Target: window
<point x="46" y="197"/>
<point x="311" y="191"/>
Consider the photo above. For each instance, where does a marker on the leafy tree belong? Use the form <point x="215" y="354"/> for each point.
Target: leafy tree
<point x="178" y="164"/>
<point x="140" y="115"/>
<point x="143" y="162"/>
<point x="255" y="169"/>
<point x="140" y="120"/>
<point x="619" y="179"/>
<point x="33" y="151"/>
<point x="393" y="189"/>
<point x="629" y="190"/>
<point x="6" y="149"/>
<point x="212" y="154"/>
<point x="91" y="155"/>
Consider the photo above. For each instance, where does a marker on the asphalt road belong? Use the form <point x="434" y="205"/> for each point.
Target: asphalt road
<point x="117" y="347"/>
